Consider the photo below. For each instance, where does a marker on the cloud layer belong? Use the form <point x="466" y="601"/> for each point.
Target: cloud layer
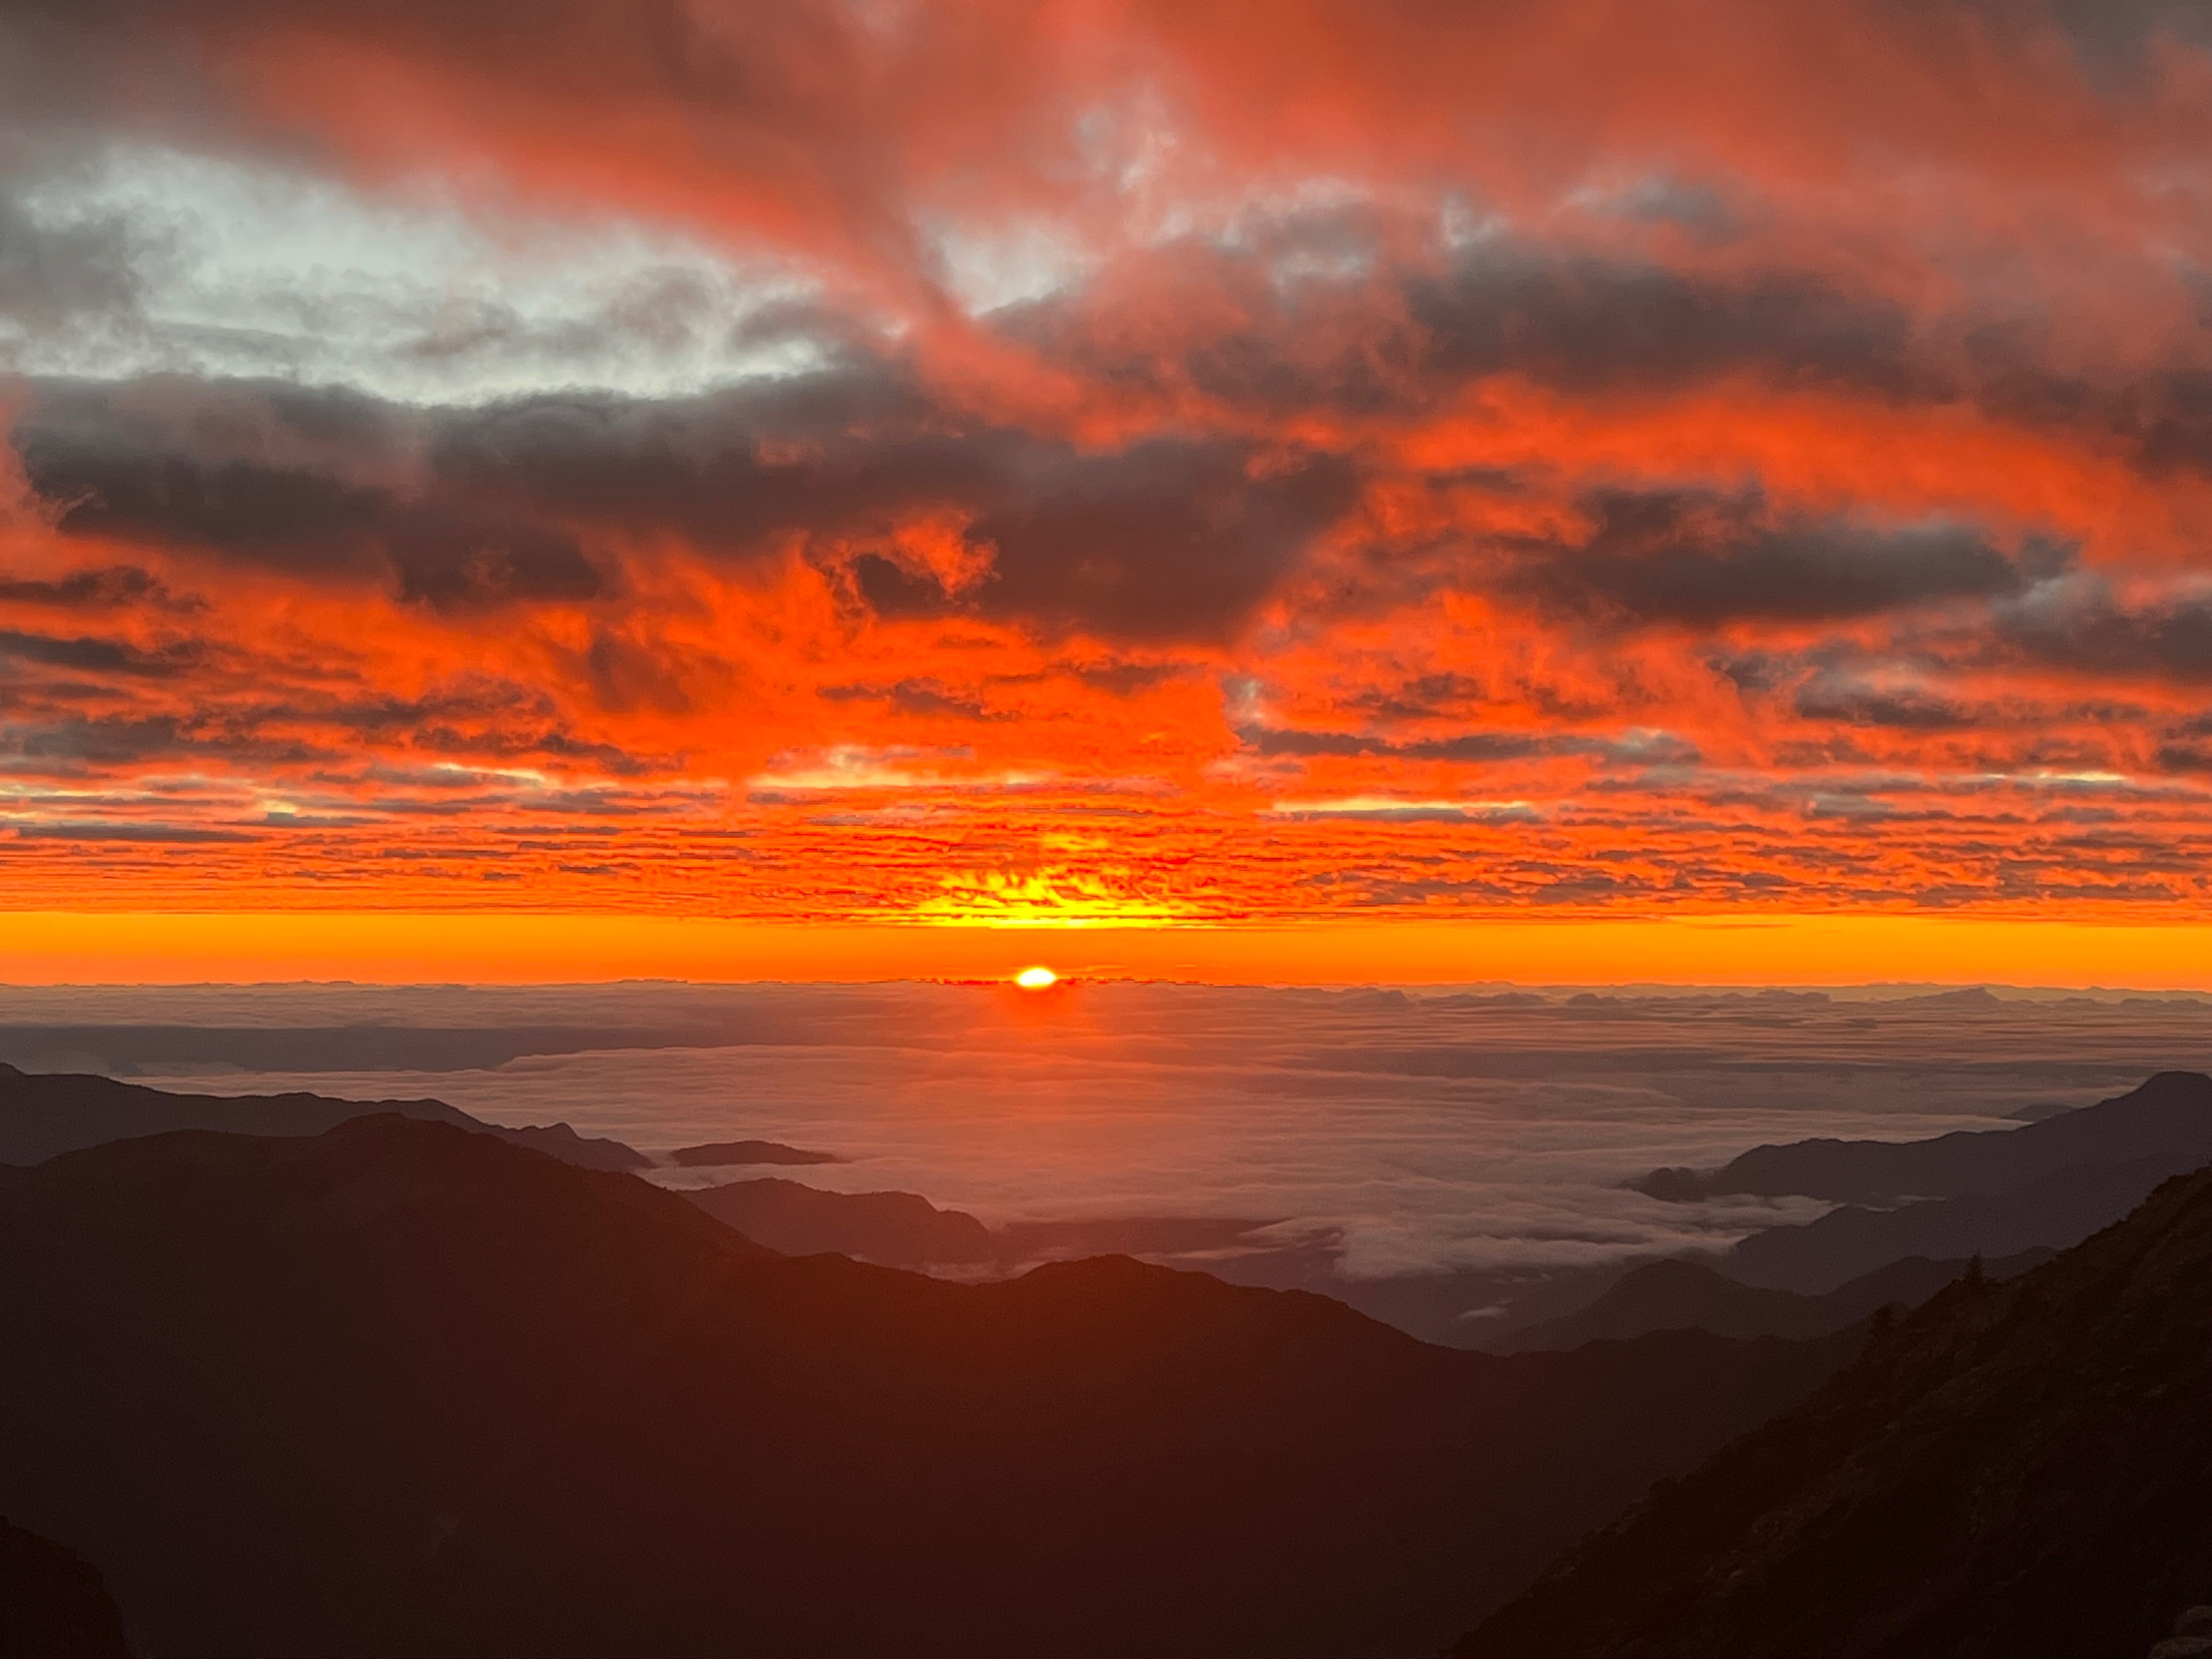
<point x="1091" y="459"/>
<point x="1481" y="1132"/>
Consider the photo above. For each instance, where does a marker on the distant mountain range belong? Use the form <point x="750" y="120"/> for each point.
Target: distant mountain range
<point x="899" y="1229"/>
<point x="2168" y="1118"/>
<point x="1995" y="1193"/>
<point x="42" y="1117"/>
<point x="2017" y="1471"/>
<point x="2068" y="1175"/>
<point x="725" y="1153"/>
<point x="2051" y="1211"/>
<point x="406" y="1047"/>
<point x="402" y="1388"/>
<point x="1917" y="1211"/>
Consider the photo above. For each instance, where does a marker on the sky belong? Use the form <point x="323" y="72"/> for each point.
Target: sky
<point x="1397" y="490"/>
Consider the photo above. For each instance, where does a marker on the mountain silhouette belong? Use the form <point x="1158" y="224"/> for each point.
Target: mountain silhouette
<point x="126" y="1050"/>
<point x="53" y="1605"/>
<point x="2057" y="1211"/>
<point x="904" y="1230"/>
<point x="399" y="1388"/>
<point x="2016" y="1471"/>
<point x="1682" y="1295"/>
<point x="42" y="1115"/>
<point x="2168" y="1117"/>
<point x="894" y="1229"/>
<point x="720" y="1153"/>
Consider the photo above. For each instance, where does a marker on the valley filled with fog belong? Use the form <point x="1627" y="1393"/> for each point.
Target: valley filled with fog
<point x="1429" y="1156"/>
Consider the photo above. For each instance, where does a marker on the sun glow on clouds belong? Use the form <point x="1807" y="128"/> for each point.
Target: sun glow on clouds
<point x="1113" y="467"/>
<point x="1058" y="895"/>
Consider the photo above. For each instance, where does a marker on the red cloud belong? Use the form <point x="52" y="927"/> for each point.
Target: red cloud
<point x="1466" y="460"/>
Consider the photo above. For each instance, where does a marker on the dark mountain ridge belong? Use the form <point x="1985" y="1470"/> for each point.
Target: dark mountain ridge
<point x="2052" y="1212"/>
<point x="905" y="1230"/>
<point x="900" y="1229"/>
<point x="43" y="1114"/>
<point x="399" y="1388"/>
<point x="1682" y="1295"/>
<point x="716" y="1154"/>
<point x="127" y="1049"/>
<point x="2168" y="1117"/>
<point x="2016" y="1471"/>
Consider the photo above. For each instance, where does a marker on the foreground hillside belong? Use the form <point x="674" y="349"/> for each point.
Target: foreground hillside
<point x="2017" y="1471"/>
<point x="53" y="1605"/>
<point x="402" y="1389"/>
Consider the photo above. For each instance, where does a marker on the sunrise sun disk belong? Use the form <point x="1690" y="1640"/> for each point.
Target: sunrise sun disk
<point x="1037" y="979"/>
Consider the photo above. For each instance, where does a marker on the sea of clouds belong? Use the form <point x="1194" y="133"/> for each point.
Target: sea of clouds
<point x="1397" y="1134"/>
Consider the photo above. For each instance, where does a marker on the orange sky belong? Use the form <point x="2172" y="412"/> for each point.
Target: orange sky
<point x="1380" y="491"/>
<point x="399" y="948"/>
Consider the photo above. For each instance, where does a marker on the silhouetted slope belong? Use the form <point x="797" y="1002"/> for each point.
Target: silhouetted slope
<point x="2053" y="1212"/>
<point x="42" y="1115"/>
<point x="2169" y="1117"/>
<point x="127" y="1050"/>
<point x="2018" y="1471"/>
<point x="720" y="1153"/>
<point x="904" y="1230"/>
<point x="1674" y="1294"/>
<point x="897" y="1230"/>
<point x="53" y="1605"/>
<point x="399" y="1388"/>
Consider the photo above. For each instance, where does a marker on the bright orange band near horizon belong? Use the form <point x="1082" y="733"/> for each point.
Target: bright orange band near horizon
<point x="57" y="947"/>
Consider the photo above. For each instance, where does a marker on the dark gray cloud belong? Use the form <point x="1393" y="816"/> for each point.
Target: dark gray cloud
<point x="2113" y="38"/>
<point x="1362" y="332"/>
<point x="1472" y="747"/>
<point x="95" y="656"/>
<point x="112" y="587"/>
<point x="1919" y="688"/>
<point x="2085" y="632"/>
<point x="2189" y="757"/>
<point x="1699" y="560"/>
<point x="1172" y="539"/>
<point x="1584" y="324"/>
<point x="925" y="698"/>
<point x="481" y="719"/>
<point x="1127" y="679"/>
<point x="95" y="829"/>
<point x="1357" y="330"/>
<point x="455" y="562"/>
<point x="469" y="507"/>
<point x="308" y="482"/>
<point x="1906" y="711"/>
<point x="1423" y="697"/>
<point x="70" y="740"/>
<point x="482" y="716"/>
<point x="1168" y="540"/>
<point x="72" y="744"/>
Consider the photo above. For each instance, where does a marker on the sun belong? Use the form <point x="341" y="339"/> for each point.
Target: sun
<point x="1037" y="979"/>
